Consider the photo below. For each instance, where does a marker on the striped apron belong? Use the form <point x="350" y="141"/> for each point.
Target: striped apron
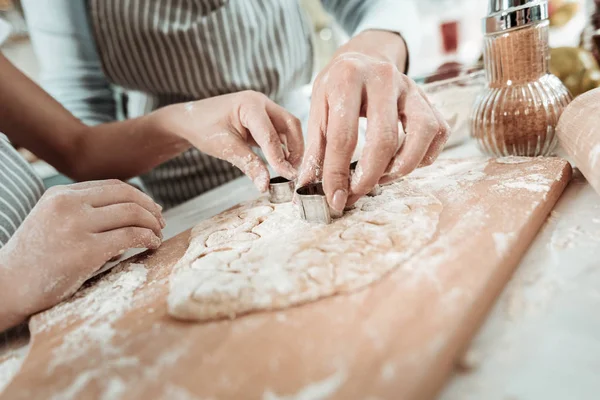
<point x="20" y="190"/>
<point x="168" y="51"/>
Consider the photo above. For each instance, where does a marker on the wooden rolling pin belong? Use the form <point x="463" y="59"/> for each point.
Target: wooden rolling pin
<point x="578" y="132"/>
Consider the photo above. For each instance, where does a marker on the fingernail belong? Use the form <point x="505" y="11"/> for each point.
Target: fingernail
<point x="339" y="200"/>
<point x="158" y="206"/>
<point x="162" y="221"/>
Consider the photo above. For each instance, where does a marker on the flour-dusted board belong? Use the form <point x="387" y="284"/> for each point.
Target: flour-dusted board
<point x="396" y="339"/>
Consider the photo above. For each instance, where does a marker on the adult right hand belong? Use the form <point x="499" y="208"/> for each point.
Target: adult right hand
<point x="364" y="79"/>
<point x="70" y="234"/>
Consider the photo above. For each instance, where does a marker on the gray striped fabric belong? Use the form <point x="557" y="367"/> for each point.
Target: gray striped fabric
<point x="20" y="189"/>
<point x="179" y="50"/>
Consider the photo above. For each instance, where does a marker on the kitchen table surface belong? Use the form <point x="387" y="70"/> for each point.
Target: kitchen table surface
<point x="541" y="339"/>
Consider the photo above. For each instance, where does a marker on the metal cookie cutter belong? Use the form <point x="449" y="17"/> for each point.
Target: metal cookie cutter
<point x="376" y="191"/>
<point x="281" y="190"/>
<point x="313" y="203"/>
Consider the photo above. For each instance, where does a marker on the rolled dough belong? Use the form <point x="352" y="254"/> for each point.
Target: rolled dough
<point x="262" y="256"/>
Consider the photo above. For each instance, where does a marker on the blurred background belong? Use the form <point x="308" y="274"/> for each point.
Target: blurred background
<point x="451" y="40"/>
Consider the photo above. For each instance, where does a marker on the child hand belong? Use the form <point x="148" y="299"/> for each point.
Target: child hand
<point x="70" y="234"/>
<point x="228" y="126"/>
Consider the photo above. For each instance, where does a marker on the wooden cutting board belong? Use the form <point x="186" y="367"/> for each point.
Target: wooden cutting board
<point x="397" y="339"/>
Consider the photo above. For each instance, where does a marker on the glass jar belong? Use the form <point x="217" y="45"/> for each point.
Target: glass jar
<point x="518" y="111"/>
<point x="453" y="91"/>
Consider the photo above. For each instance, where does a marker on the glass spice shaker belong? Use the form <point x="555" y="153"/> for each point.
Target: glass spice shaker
<point x="518" y="112"/>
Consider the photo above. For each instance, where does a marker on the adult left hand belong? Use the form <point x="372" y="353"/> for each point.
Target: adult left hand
<point x="364" y="79"/>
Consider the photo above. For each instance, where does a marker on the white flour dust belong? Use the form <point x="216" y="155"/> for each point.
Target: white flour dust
<point x="514" y="160"/>
<point x="453" y="179"/>
<point x="98" y="306"/>
<point x="530" y="182"/>
<point x="76" y="386"/>
<point x="111" y="296"/>
<point x="435" y="256"/>
<point x="388" y="371"/>
<point x="502" y="241"/>
<point x="572" y="237"/>
<point x="319" y="390"/>
<point x="173" y="392"/>
<point x="8" y="369"/>
<point x="115" y="388"/>
<point x="594" y="156"/>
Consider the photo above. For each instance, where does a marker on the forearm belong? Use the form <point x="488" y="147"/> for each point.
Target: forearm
<point x="34" y="120"/>
<point x="400" y="17"/>
<point x="124" y="149"/>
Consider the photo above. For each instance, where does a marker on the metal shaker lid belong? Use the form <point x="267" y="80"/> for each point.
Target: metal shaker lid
<point x="504" y="15"/>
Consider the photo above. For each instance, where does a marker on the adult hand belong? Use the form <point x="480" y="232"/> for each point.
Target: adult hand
<point x="70" y="234"/>
<point x="228" y="126"/>
<point x="364" y="79"/>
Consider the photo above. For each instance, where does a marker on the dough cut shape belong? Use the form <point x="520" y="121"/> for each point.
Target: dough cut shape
<point x="261" y="256"/>
<point x="256" y="212"/>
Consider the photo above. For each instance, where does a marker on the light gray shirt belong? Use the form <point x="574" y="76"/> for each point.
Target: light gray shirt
<point x="20" y="190"/>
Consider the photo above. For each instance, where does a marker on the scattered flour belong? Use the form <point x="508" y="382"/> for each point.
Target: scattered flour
<point x="388" y="371"/>
<point x="8" y="369"/>
<point x="280" y="317"/>
<point x="594" y="156"/>
<point x="453" y="179"/>
<point x="76" y="387"/>
<point x="106" y="300"/>
<point x="530" y="182"/>
<point x="98" y="306"/>
<point x="554" y="217"/>
<point x="502" y="241"/>
<point x="435" y="256"/>
<point x="513" y="160"/>
<point x="173" y="392"/>
<point x="572" y="237"/>
<point x="566" y="238"/>
<point x="320" y="390"/>
<point x="116" y="387"/>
